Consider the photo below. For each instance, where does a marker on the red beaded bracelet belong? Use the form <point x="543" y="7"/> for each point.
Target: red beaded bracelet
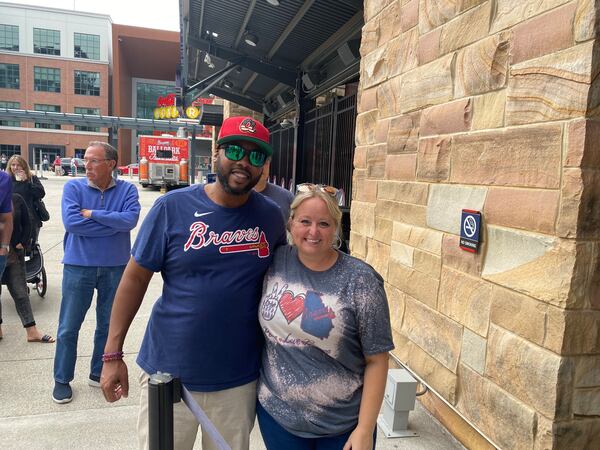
<point x="115" y="356"/>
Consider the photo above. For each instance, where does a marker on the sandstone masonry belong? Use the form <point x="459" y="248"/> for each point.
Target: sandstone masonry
<point x="489" y="105"/>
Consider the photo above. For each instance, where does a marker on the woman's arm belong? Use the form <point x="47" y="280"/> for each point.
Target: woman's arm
<point x="37" y="189"/>
<point x="25" y="225"/>
<point x="370" y="402"/>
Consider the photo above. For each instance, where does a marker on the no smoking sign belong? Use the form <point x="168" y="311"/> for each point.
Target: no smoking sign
<point x="470" y="226"/>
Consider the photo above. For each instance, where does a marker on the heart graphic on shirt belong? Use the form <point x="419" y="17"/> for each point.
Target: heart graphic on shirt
<point x="291" y="306"/>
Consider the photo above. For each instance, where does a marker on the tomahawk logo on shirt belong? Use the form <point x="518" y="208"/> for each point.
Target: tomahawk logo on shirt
<point x="238" y="241"/>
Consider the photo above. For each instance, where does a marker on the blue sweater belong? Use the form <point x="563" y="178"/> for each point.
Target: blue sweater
<point x="104" y="239"/>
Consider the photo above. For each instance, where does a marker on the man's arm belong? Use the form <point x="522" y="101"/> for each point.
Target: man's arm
<point x="124" y="220"/>
<point x="74" y="221"/>
<point x="128" y="298"/>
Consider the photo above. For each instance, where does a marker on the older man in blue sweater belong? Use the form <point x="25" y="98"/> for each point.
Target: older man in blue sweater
<point x="98" y="213"/>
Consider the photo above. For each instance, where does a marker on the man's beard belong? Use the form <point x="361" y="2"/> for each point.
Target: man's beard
<point x="224" y="180"/>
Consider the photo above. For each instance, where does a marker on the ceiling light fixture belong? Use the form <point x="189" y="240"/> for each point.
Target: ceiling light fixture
<point x="274" y="2"/>
<point x="250" y="39"/>
<point x="227" y="83"/>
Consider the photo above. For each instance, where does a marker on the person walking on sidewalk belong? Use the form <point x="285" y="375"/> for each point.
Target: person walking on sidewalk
<point x="14" y="274"/>
<point x="212" y="244"/>
<point x="28" y="186"/>
<point x="98" y="214"/>
<point x="6" y="221"/>
<point x="57" y="166"/>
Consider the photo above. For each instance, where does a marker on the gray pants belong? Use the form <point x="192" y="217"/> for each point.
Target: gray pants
<point x="15" y="279"/>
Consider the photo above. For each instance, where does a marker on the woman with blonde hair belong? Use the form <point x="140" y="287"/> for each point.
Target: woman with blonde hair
<point x="27" y="186"/>
<point x="327" y="332"/>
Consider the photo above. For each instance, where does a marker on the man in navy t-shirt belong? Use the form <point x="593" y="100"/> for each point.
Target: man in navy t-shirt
<point x="212" y="245"/>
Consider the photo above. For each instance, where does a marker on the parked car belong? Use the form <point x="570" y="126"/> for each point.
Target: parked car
<point x="130" y="169"/>
<point x="65" y="164"/>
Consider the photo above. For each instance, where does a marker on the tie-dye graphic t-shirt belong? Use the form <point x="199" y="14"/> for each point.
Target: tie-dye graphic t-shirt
<point x="319" y="327"/>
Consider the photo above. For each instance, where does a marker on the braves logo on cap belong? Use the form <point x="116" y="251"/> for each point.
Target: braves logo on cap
<point x="248" y="126"/>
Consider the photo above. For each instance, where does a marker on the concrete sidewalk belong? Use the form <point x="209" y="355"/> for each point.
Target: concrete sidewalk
<point x="29" y="419"/>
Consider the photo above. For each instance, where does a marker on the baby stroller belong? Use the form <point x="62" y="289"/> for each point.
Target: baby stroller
<point x="35" y="272"/>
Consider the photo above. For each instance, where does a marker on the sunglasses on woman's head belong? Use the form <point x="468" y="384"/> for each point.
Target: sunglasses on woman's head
<point x="308" y="187"/>
<point x="235" y="152"/>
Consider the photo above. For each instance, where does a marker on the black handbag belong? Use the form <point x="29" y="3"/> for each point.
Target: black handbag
<point x="41" y="211"/>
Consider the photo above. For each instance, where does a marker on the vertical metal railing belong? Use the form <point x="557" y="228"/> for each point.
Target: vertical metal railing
<point x="163" y="392"/>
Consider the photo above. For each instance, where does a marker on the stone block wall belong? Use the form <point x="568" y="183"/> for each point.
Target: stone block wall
<point x="489" y="105"/>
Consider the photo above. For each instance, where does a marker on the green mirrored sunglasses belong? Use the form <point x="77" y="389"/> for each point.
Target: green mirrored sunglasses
<point x="235" y="152"/>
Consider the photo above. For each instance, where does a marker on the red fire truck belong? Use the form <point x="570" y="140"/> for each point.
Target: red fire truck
<point x="164" y="161"/>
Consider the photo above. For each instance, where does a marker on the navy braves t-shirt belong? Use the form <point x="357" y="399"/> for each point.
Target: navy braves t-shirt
<point x="204" y="327"/>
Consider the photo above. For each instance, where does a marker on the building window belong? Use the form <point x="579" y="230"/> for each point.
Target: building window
<point x="9" y="37"/>
<point x="92" y="111"/>
<point x="9" y="150"/>
<point x="9" y="76"/>
<point x="87" y="83"/>
<point x="147" y="96"/>
<point x="10" y="105"/>
<point x="47" y="108"/>
<point x="46" y="79"/>
<point x="87" y="46"/>
<point x="46" y="42"/>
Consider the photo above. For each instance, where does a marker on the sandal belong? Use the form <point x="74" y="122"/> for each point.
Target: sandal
<point x="45" y="339"/>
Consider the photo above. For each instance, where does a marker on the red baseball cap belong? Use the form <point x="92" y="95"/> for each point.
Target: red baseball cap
<point x="243" y="128"/>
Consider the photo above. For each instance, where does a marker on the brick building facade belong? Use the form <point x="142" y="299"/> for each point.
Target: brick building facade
<point x="52" y="60"/>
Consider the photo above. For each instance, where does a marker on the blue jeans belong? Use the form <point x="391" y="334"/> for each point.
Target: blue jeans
<point x="276" y="437"/>
<point x="78" y="287"/>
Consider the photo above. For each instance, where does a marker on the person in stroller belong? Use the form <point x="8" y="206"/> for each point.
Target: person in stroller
<point x="14" y="275"/>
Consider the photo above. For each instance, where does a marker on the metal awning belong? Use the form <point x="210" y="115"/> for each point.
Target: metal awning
<point x="310" y="45"/>
<point x="211" y="115"/>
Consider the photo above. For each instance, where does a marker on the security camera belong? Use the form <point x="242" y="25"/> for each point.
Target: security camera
<point x="286" y="123"/>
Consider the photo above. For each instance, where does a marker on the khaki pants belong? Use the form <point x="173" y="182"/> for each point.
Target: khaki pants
<point x="232" y="412"/>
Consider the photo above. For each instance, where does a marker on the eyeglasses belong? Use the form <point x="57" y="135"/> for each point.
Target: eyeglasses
<point x="93" y="162"/>
<point x="308" y="187"/>
<point x="235" y="152"/>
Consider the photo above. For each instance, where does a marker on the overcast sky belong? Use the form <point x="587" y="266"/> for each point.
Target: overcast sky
<point x="160" y="14"/>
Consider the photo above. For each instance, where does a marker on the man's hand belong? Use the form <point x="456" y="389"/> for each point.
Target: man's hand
<point x="87" y="213"/>
<point x="114" y="380"/>
<point x="3" y="251"/>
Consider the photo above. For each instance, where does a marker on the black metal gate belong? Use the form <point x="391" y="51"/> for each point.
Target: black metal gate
<point x="328" y="153"/>
<point x="282" y="162"/>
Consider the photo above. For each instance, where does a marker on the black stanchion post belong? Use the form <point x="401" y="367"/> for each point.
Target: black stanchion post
<point x="163" y="391"/>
